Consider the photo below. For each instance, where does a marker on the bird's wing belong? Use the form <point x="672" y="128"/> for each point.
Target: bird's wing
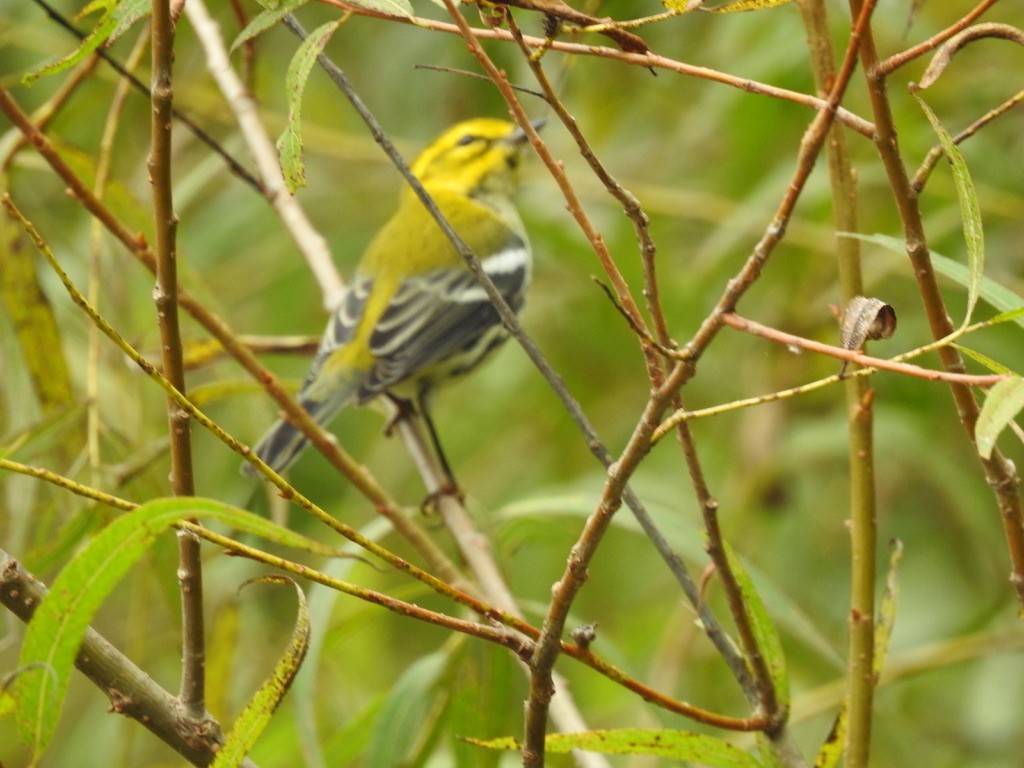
<point x="444" y="314"/>
<point x="342" y="326"/>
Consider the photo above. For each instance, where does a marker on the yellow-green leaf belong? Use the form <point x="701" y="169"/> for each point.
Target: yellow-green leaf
<point x="289" y="143"/>
<point x="1001" y="406"/>
<point x="696" y="748"/>
<point x="970" y="211"/>
<point x="55" y="632"/>
<point x="769" y="644"/>
<point x="33" y="320"/>
<point x="256" y="715"/>
<point x="744" y="5"/>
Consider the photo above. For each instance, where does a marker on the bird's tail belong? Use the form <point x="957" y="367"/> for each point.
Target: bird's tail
<point x="283" y="442"/>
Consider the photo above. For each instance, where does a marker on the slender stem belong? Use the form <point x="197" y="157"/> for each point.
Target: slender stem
<point x="863" y="521"/>
<point x="165" y="295"/>
<point x="626" y="199"/>
<point x="1000" y="473"/>
<point x="521" y="628"/>
<point x="894" y="62"/>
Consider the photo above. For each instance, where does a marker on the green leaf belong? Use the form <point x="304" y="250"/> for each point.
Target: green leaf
<point x="831" y="752"/>
<point x="985" y="360"/>
<point x="406" y="716"/>
<point x="60" y="621"/>
<point x="743" y="5"/>
<point x="256" y="715"/>
<point x="887" y="609"/>
<point x="995" y="294"/>
<point x="33" y="321"/>
<point x="1002" y="405"/>
<point x="970" y="211"/>
<point x="289" y="143"/>
<point x="265" y="19"/>
<point x="678" y="745"/>
<point x="401" y="8"/>
<point x="765" y="632"/>
<point x="117" y="18"/>
<point x="55" y="632"/>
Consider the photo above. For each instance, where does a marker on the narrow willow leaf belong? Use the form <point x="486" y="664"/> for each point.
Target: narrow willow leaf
<point x="744" y="5"/>
<point x="1010" y="316"/>
<point x="887" y="608"/>
<point x="33" y="321"/>
<point x="289" y="143"/>
<point x="831" y="752"/>
<point x="995" y="294"/>
<point x="401" y="8"/>
<point x="406" y="714"/>
<point x="766" y="633"/>
<point x="985" y="360"/>
<point x="256" y="715"/>
<point x="1002" y="405"/>
<point x="677" y="745"/>
<point x="265" y="19"/>
<point x="970" y="211"/>
<point x="60" y="621"/>
<point x="127" y="13"/>
<point x="55" y="632"/>
<point x="117" y="18"/>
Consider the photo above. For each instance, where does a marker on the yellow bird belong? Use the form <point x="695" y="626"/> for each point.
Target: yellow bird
<point x="413" y="315"/>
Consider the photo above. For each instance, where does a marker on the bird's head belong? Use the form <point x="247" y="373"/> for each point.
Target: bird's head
<point x="479" y="156"/>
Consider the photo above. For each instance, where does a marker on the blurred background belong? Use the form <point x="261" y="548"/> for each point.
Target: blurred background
<point x="709" y="163"/>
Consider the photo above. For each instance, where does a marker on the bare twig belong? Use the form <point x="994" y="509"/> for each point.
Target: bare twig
<point x="894" y="62"/>
<point x="645" y="60"/>
<point x="165" y="296"/>
<point x="522" y="638"/>
<point x="935" y="153"/>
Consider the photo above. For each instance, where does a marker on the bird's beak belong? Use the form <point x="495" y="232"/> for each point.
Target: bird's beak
<point x="518" y="136"/>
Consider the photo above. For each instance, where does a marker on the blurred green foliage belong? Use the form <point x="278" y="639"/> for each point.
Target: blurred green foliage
<point x="709" y="163"/>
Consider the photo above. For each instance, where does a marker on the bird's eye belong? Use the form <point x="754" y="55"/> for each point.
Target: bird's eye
<point x="469" y="138"/>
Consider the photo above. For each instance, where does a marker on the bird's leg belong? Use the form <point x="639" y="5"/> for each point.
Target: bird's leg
<point x="406" y="410"/>
<point x="449" y="487"/>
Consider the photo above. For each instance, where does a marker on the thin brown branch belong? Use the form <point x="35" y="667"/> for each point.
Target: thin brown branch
<point x="854" y="356"/>
<point x="935" y="153"/>
<point x="630" y="206"/>
<point x="519" y="627"/>
<point x="645" y="60"/>
<point x="894" y="62"/>
<point x="165" y="296"/>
